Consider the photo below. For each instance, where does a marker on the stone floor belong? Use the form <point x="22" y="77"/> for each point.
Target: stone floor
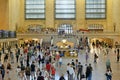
<point x="99" y="68"/>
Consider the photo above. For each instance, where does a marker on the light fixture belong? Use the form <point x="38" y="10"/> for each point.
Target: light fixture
<point x="64" y="40"/>
<point x="66" y="46"/>
<point x="35" y="39"/>
<point x="61" y="46"/>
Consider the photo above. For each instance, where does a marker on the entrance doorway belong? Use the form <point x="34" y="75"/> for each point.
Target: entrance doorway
<point x="104" y="42"/>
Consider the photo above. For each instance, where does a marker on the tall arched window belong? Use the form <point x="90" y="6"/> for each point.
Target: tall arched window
<point x="34" y="9"/>
<point x="65" y="9"/>
<point x="95" y="9"/>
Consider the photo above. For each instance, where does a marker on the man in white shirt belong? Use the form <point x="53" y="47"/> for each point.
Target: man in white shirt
<point x="71" y="73"/>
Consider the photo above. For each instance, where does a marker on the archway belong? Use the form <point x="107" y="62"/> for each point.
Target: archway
<point x="65" y="29"/>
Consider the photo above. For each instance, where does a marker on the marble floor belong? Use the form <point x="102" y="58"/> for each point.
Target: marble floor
<point x="99" y="68"/>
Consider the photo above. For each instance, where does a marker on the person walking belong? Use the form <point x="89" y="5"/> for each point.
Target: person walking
<point x="60" y="61"/>
<point x="48" y="67"/>
<point x="17" y="56"/>
<point x="53" y="71"/>
<point x="108" y="74"/>
<point x="39" y="59"/>
<point x="80" y="70"/>
<point x="3" y="71"/>
<point x="57" y="58"/>
<point x="86" y="57"/>
<point x="108" y="64"/>
<point x="118" y="55"/>
<point x="6" y="57"/>
<point x="21" y="59"/>
<point x="95" y="58"/>
<point x="27" y="61"/>
<point x="12" y="57"/>
<point x="89" y="70"/>
<point x="33" y="70"/>
<point x="27" y="73"/>
<point x="118" y="50"/>
<point x="71" y="73"/>
<point x="46" y="74"/>
<point x="68" y="67"/>
<point x="76" y="63"/>
<point x="8" y="70"/>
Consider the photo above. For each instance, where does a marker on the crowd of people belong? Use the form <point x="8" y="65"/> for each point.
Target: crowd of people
<point x="34" y="62"/>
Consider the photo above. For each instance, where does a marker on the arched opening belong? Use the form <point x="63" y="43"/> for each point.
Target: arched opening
<point x="65" y="29"/>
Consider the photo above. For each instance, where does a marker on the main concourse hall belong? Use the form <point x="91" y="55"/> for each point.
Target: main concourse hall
<point x="59" y="40"/>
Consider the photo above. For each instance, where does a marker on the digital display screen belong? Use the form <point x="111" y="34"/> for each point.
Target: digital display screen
<point x="5" y="34"/>
<point x="1" y="34"/>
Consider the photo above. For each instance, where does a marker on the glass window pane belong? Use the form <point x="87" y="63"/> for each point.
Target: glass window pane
<point x="65" y="6"/>
<point x="65" y="15"/>
<point x="65" y="2"/>
<point x="35" y="9"/>
<point x="65" y="9"/>
<point x="95" y="8"/>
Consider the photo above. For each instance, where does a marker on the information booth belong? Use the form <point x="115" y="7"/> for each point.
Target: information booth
<point x="65" y="49"/>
